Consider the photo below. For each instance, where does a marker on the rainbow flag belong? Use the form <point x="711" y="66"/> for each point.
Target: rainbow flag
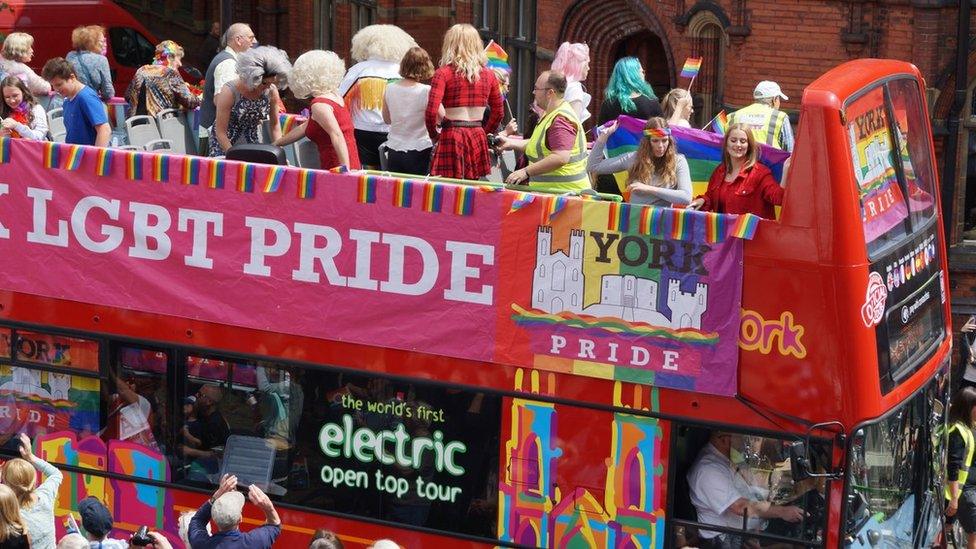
<point x="464" y="201"/>
<point x="133" y="166"/>
<point x="618" y="217"/>
<point x="288" y="121"/>
<point x="745" y="226"/>
<point x="160" y="168"/>
<point x="191" y="170"/>
<point x="306" y="184"/>
<point x="715" y="227"/>
<point x="680" y="223"/>
<point x="402" y="193"/>
<point x="215" y="180"/>
<point x="4" y="150"/>
<point x="366" y="193"/>
<point x="273" y="179"/>
<point x="52" y="154"/>
<point x="73" y="160"/>
<point x="691" y="68"/>
<point x="103" y="163"/>
<point x="721" y="123"/>
<point x="552" y="206"/>
<point x="245" y="178"/>
<point x="522" y="199"/>
<point x="433" y="197"/>
<point x="497" y="57"/>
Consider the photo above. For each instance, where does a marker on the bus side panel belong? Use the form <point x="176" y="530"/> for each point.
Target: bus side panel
<point x="575" y="477"/>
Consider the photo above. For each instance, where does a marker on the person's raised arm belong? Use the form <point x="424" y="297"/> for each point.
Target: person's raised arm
<point x="49" y="487"/>
<point x="262" y="502"/>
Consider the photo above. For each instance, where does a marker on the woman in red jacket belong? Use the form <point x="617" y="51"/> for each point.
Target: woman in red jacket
<point x="740" y="183"/>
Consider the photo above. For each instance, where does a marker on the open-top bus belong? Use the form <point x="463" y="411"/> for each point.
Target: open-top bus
<point x="473" y="366"/>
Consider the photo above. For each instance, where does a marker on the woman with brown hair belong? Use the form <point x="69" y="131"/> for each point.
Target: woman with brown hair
<point x="464" y="86"/>
<point x="404" y="102"/>
<point x="36" y="503"/>
<point x="740" y="183"/>
<point x="13" y="531"/>
<point x="656" y="173"/>
<point x="88" y="59"/>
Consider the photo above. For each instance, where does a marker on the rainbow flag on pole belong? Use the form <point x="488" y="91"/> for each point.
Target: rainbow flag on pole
<point x="720" y="124"/>
<point x="691" y="68"/>
<point x="497" y="57"/>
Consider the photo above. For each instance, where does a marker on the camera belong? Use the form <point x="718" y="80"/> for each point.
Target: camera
<point x="141" y="538"/>
<point x="494" y="141"/>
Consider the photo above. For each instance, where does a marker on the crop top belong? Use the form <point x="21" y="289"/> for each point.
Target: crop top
<point x="454" y="90"/>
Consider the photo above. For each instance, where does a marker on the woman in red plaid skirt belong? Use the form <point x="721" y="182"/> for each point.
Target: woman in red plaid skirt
<point x="465" y="86"/>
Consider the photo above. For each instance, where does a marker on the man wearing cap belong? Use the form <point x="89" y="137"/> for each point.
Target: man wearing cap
<point x="225" y="509"/>
<point x="97" y="522"/>
<point x="769" y="124"/>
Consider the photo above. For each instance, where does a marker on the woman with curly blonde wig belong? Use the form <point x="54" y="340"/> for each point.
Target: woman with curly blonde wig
<point x="465" y="86"/>
<point x="317" y="74"/>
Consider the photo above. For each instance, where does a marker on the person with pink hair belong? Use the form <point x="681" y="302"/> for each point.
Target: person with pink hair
<point x="573" y="60"/>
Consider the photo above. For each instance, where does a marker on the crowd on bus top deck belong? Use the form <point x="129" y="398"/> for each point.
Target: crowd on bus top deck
<point x="426" y="120"/>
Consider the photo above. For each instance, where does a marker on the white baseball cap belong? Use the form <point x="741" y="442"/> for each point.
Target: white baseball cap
<point x="767" y="89"/>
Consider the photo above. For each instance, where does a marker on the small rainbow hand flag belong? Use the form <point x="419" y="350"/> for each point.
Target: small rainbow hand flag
<point x="691" y="68"/>
<point x="4" y="150"/>
<point x="497" y="57"/>
<point x="721" y="123"/>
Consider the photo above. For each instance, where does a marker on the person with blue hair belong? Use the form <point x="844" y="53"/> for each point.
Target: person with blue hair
<point x="627" y="93"/>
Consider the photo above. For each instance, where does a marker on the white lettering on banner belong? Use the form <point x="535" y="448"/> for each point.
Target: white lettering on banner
<point x="39" y="233"/>
<point x="634" y="355"/>
<point x="201" y="220"/>
<point x="318" y="246"/>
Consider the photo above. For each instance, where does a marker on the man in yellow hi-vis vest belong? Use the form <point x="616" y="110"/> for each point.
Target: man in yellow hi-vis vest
<point x="769" y="124"/>
<point x="557" y="148"/>
<point x="960" y="485"/>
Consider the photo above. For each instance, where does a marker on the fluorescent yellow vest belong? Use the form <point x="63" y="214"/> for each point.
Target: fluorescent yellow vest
<point x="970" y="441"/>
<point x="571" y="176"/>
<point x="765" y="121"/>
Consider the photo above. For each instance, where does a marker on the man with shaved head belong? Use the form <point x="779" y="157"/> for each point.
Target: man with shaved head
<point x="213" y="432"/>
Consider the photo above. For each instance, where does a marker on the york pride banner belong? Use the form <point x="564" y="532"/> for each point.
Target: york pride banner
<point x="649" y="295"/>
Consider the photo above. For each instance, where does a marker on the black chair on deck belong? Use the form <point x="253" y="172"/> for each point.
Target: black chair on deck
<point x="257" y="153"/>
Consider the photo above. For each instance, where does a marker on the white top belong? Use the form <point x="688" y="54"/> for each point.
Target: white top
<point x="715" y="486"/>
<point x="38" y="128"/>
<point x="366" y="81"/>
<point x="658" y="195"/>
<point x="575" y="92"/>
<point x="225" y="71"/>
<point x="408" y="131"/>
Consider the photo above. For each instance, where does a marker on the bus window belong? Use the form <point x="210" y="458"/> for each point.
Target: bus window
<point x="724" y="477"/>
<point x="913" y="143"/>
<point x="5" y="343"/>
<point x="57" y="350"/>
<point x="130" y="47"/>
<point x="137" y="407"/>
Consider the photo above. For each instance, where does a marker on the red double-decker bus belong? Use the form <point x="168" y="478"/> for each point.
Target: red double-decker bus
<point x="470" y="366"/>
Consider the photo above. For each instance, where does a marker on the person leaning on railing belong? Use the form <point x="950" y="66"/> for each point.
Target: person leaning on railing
<point x="159" y="86"/>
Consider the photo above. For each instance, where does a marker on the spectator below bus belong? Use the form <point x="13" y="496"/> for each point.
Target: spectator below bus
<point x="557" y="148"/>
<point x="18" y="51"/>
<point x="36" y="502"/>
<point x="960" y="485"/>
<point x="325" y="539"/>
<point x="85" y="119"/>
<point x="408" y="145"/>
<point x="317" y="74"/>
<point x="73" y="540"/>
<point x="770" y="125"/>
<point x="97" y="522"/>
<point x="384" y="544"/>
<point x="377" y="50"/>
<point x="225" y="507"/>
<point x="678" y="108"/>
<point x="88" y="59"/>
<point x="13" y="531"/>
<point x="464" y="86"/>
<point x="740" y="183"/>
<point x="657" y="174"/>
<point x="246" y="102"/>
<point x="722" y="497"/>
<point x="21" y="116"/>
<point x="238" y="38"/>
<point x="627" y="93"/>
<point x="160" y="86"/>
<point x="213" y="433"/>
<point x="573" y="61"/>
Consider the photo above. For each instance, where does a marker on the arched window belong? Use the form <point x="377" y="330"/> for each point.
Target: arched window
<point x="708" y="41"/>
<point x="559" y="276"/>
<point x="542" y="270"/>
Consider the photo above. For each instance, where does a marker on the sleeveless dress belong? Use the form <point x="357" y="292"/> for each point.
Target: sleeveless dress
<point x="327" y="154"/>
<point x="246" y="115"/>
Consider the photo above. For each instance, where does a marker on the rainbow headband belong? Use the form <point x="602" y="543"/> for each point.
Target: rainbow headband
<point x="657" y="132"/>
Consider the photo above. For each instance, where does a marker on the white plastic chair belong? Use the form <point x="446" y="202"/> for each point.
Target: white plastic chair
<point x="55" y="122"/>
<point x="141" y="129"/>
<point x="172" y="126"/>
<point x="160" y="145"/>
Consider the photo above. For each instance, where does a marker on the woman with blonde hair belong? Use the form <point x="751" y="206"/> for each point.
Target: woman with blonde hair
<point x="573" y="60"/>
<point x="88" y="59"/>
<point x="159" y="86"/>
<point x="465" y="86"/>
<point x="656" y="173"/>
<point x="13" y="531"/>
<point x="678" y="108"/>
<point x="18" y="50"/>
<point x="317" y="74"/>
<point x="36" y="503"/>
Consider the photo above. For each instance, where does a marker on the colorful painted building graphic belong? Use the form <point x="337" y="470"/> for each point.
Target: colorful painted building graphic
<point x="534" y="511"/>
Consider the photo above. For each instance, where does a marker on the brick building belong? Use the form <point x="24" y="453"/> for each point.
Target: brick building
<point x="741" y="41"/>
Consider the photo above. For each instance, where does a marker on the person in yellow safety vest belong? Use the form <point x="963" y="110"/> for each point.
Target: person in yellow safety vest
<point x="769" y="124"/>
<point x="960" y="491"/>
<point x="557" y="148"/>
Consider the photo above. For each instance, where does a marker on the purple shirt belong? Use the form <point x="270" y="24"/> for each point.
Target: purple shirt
<point x="262" y="537"/>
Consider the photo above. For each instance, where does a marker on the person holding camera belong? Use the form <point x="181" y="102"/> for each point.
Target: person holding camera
<point x="225" y="508"/>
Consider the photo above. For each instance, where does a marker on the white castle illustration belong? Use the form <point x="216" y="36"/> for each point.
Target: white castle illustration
<point x="557" y="285"/>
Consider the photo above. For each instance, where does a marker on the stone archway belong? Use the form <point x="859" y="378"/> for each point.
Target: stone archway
<point x="613" y="29"/>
